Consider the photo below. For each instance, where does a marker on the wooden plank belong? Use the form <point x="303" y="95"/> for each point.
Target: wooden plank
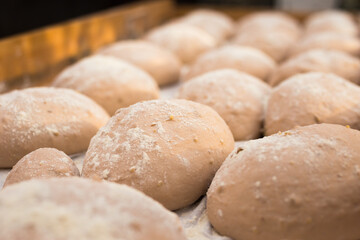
<point x="34" y="58"/>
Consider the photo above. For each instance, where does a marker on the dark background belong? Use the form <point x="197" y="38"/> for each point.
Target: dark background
<point x="17" y="16"/>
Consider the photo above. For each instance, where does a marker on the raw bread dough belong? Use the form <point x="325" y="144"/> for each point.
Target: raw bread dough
<point x="184" y="40"/>
<point x="311" y="98"/>
<point x="299" y="184"/>
<point x="320" y="60"/>
<point x="238" y="98"/>
<point x="335" y="21"/>
<point x="217" y="24"/>
<point x="276" y="44"/>
<point x="81" y="209"/>
<point x="245" y="59"/>
<point x="269" y="21"/>
<point x="39" y="117"/>
<point x="160" y="63"/>
<point x="274" y="33"/>
<point x="328" y="40"/>
<point x="168" y="149"/>
<point x="42" y="163"/>
<point x="109" y="81"/>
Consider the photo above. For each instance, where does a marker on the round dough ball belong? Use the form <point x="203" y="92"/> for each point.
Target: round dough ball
<point x="109" y="81"/>
<point x="300" y="184"/>
<point x="311" y="98"/>
<point x="331" y="21"/>
<point x="161" y="64"/>
<point x="217" y="24"/>
<point x="276" y="44"/>
<point x="74" y="208"/>
<point x="42" y="163"/>
<point x="184" y="40"/>
<point x="330" y="61"/>
<point x="237" y="97"/>
<point x="46" y="117"/>
<point x="331" y="41"/>
<point x="168" y="149"/>
<point x="269" y="21"/>
<point x="245" y="59"/>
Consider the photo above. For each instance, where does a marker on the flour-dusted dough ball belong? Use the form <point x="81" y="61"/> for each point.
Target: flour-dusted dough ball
<point x="184" y="40"/>
<point x="272" y="32"/>
<point x="217" y="24"/>
<point x="331" y="21"/>
<point x="300" y="184"/>
<point x="109" y="81"/>
<point x="320" y="60"/>
<point x="269" y="21"/>
<point x="311" y="98"/>
<point x="276" y="44"/>
<point x="331" y="41"/>
<point x="245" y="59"/>
<point x="46" y="117"/>
<point x="42" y="163"/>
<point x="238" y="98"/>
<point x="80" y="209"/>
<point x="168" y="149"/>
<point x="160" y="63"/>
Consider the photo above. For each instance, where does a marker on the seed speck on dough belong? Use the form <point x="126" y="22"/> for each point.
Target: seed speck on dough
<point x="239" y="149"/>
<point x="132" y="169"/>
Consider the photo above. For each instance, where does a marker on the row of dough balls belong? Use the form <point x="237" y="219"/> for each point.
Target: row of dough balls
<point x="114" y="83"/>
<point x="275" y="33"/>
<point x="167" y="149"/>
<point x="128" y="71"/>
<point x="245" y="102"/>
<point x="56" y="117"/>
<point x="299" y="184"/>
<point x="160" y="147"/>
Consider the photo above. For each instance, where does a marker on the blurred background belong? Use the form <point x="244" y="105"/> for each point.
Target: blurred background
<point x="17" y="16"/>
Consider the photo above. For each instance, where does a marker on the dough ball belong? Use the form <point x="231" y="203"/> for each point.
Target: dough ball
<point x="331" y="41"/>
<point x="330" y="61"/>
<point x="217" y="24"/>
<point x="237" y="97"/>
<point x="168" y="149"/>
<point x="274" y="33"/>
<point x="161" y="64"/>
<point x="269" y="21"/>
<point x="39" y="117"/>
<point x="311" y="98"/>
<point x="184" y="40"/>
<point x="245" y="59"/>
<point x="42" y="163"/>
<point x="110" y="82"/>
<point x="331" y="21"/>
<point x="300" y="184"/>
<point x="74" y="208"/>
<point x="276" y="44"/>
